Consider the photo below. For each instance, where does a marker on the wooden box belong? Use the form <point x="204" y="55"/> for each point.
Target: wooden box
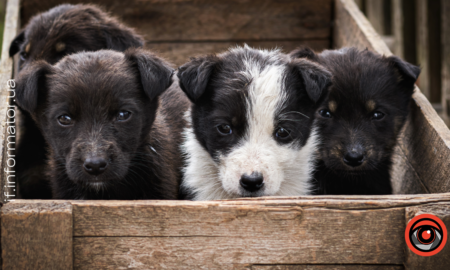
<point x="309" y="232"/>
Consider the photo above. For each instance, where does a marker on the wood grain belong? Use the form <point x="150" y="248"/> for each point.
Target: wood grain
<point x="440" y="260"/>
<point x="37" y="235"/>
<point x="422" y="46"/>
<point x="212" y="237"/>
<point x="425" y="144"/>
<point x="328" y="267"/>
<point x="180" y="53"/>
<point x="207" y="20"/>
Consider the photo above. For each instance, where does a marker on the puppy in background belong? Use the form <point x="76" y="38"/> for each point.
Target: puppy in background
<point x="360" y="119"/>
<point x="251" y="130"/>
<point x="109" y="133"/>
<point x="49" y="36"/>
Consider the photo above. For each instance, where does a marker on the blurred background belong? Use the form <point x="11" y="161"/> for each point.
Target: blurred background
<point x="416" y="30"/>
<point x="419" y="32"/>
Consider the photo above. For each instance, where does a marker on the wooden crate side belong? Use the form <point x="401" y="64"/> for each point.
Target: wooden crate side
<point x="217" y="237"/>
<point x="206" y="20"/>
<point x="7" y="127"/>
<point x="328" y="267"/>
<point x="37" y="235"/>
<point x="427" y="139"/>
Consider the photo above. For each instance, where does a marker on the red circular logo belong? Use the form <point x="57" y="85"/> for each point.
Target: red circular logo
<point x="426" y="235"/>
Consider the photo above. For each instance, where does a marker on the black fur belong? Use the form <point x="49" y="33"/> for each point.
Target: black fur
<point x="364" y="85"/>
<point x="49" y="36"/>
<point x="93" y="88"/>
<point x="219" y="92"/>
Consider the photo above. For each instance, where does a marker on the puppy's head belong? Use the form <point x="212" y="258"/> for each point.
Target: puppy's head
<point x="253" y="111"/>
<point x="95" y="110"/>
<point x="68" y="29"/>
<point x="365" y="108"/>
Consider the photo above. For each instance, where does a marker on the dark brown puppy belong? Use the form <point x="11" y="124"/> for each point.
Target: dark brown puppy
<point x="110" y="135"/>
<point x="49" y="36"/>
<point x="360" y="119"/>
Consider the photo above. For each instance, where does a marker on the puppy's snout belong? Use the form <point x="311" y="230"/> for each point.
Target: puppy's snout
<point x="252" y="182"/>
<point x="95" y="165"/>
<point x="354" y="158"/>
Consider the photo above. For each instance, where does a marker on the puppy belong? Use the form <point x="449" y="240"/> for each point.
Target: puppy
<point x="360" y="119"/>
<point x="49" y="36"/>
<point x="251" y="128"/>
<point x="97" y="113"/>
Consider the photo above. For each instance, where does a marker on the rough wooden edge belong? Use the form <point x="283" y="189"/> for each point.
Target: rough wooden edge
<point x="6" y="69"/>
<point x="37" y="235"/>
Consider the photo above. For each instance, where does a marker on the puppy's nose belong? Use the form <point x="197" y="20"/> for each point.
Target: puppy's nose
<point x="354" y="159"/>
<point x="95" y="165"/>
<point x="252" y="182"/>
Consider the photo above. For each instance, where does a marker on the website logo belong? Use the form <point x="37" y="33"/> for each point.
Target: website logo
<point x="426" y="235"/>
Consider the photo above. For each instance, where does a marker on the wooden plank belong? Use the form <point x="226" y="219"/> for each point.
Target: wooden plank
<point x="180" y="53"/>
<point x="207" y="20"/>
<point x="404" y="29"/>
<point x="212" y="237"/>
<point x="445" y="15"/>
<point x="422" y="46"/>
<point x="7" y="185"/>
<point x="425" y="144"/>
<point x="375" y="14"/>
<point x="37" y="235"/>
<point x="440" y="260"/>
<point x="328" y="267"/>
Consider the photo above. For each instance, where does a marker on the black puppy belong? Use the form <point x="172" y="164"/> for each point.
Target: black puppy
<point x="360" y="119"/>
<point x="98" y="112"/>
<point x="49" y="36"/>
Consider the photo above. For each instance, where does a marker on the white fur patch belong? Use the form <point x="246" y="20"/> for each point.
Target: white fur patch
<point x="286" y="169"/>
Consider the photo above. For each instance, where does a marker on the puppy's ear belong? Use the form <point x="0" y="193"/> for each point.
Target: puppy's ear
<point x="408" y="72"/>
<point x="15" y="44"/>
<point x="31" y="85"/>
<point x="303" y="53"/>
<point x="119" y="38"/>
<point x="155" y="73"/>
<point x="194" y="75"/>
<point x="316" y="78"/>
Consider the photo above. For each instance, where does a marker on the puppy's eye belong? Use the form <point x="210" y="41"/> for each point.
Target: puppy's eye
<point x="65" y="120"/>
<point x="224" y="129"/>
<point x="123" y="115"/>
<point x="282" y="133"/>
<point x="325" y="113"/>
<point x="23" y="56"/>
<point x="377" y="115"/>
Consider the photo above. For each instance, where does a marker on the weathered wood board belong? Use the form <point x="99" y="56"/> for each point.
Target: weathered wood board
<point x="303" y="232"/>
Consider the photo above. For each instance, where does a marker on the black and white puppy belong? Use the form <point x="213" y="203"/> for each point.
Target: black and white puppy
<point x="50" y="36"/>
<point x="113" y="130"/>
<point x="360" y="119"/>
<point x="251" y="128"/>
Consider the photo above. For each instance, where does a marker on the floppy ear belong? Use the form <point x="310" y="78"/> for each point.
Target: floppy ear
<point x="31" y="85"/>
<point x="155" y="73"/>
<point x="408" y="72"/>
<point x="303" y="53"/>
<point x="316" y="78"/>
<point x="194" y="75"/>
<point x="15" y="44"/>
<point x="120" y="38"/>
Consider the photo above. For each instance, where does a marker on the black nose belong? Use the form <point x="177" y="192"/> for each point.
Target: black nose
<point x="354" y="159"/>
<point x="252" y="182"/>
<point x="95" y="165"/>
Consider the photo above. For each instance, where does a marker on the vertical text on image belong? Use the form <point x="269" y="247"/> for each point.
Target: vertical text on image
<point x="9" y="169"/>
